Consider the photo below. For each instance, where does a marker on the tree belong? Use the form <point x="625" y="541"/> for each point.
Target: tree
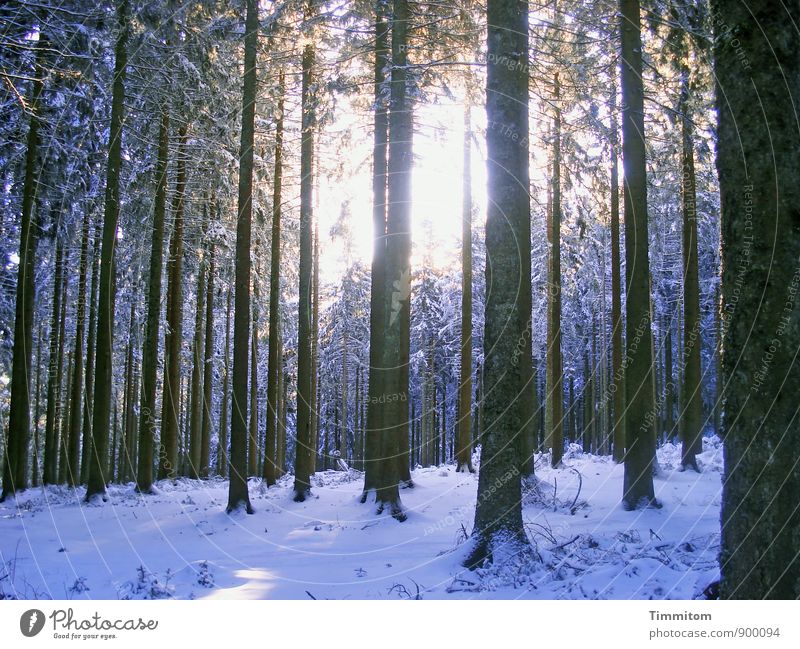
<point x="15" y="464"/>
<point x="498" y="514"/>
<point x="692" y="398"/>
<point x="305" y="381"/>
<point x="238" y="495"/>
<point x="760" y="193"/>
<point x="639" y="393"/>
<point x="464" y="445"/>
<point x="98" y="458"/>
<point x="170" y="402"/>
<point x="147" y="418"/>
<point x="555" y="372"/>
<point x="274" y="362"/>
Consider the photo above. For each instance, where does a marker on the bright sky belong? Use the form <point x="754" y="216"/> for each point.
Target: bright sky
<point x="436" y="190"/>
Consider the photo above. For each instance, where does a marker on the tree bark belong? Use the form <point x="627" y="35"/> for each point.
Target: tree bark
<point x="464" y="445"/>
<point x="759" y="175"/>
<point x="147" y="417"/>
<point x="238" y="495"/>
<point x="640" y="407"/>
<point x="98" y="458"/>
<point x="498" y="514"/>
<point x="15" y="461"/>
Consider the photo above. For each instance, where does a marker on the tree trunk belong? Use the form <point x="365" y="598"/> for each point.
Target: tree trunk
<point x="692" y="388"/>
<point x="640" y="452"/>
<point x="375" y="409"/>
<point x="170" y="410"/>
<point x="198" y="360"/>
<point x="147" y="418"/>
<point x="315" y="347"/>
<point x="51" y="421"/>
<point x="555" y="389"/>
<point x="345" y="386"/>
<point x="238" y="495"/>
<point x="464" y="445"/>
<point x="98" y="458"/>
<point x="222" y="441"/>
<point x="618" y="373"/>
<point x="498" y="514"/>
<point x="15" y="462"/>
<point x="252" y="429"/>
<point x="91" y="338"/>
<point x="759" y="175"/>
<point x="208" y="364"/>
<point x="274" y="368"/>
<point x="305" y="380"/>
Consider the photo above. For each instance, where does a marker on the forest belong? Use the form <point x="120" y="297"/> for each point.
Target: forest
<point x="450" y="298"/>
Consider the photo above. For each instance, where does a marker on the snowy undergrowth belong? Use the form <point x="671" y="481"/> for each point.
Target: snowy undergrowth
<point x="179" y="543"/>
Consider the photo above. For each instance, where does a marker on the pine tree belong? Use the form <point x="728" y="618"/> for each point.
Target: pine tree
<point x="760" y="193"/>
<point x="639" y="391"/>
<point x="498" y="514"/>
<point x="238" y="495"/>
<point x="98" y="458"/>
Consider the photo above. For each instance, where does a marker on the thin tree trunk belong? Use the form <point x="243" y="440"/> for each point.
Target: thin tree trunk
<point x="168" y="466"/>
<point x="238" y="495"/>
<point x="91" y="339"/>
<point x="692" y="388"/>
<point x="464" y="445"/>
<point x="51" y="430"/>
<point x="222" y="441"/>
<point x="147" y="418"/>
<point x="315" y="347"/>
<point x="208" y="365"/>
<point x="196" y="398"/>
<point x="274" y="368"/>
<point x="555" y="390"/>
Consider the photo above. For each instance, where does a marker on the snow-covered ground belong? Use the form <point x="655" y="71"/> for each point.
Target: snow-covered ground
<point x="182" y="544"/>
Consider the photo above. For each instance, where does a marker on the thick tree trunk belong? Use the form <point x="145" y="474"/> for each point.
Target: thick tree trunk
<point x="98" y="458"/>
<point x="238" y="495"/>
<point x="147" y="417"/>
<point x="375" y="409"/>
<point x="274" y="362"/>
<point x="15" y="461"/>
<point x="464" y="444"/>
<point x="498" y="515"/>
<point x="759" y="174"/>
<point x="305" y="380"/>
<point x="640" y="406"/>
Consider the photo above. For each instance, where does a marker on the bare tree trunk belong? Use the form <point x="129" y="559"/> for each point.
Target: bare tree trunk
<point x="147" y="418"/>
<point x="196" y="398"/>
<point x="274" y="369"/>
<point x="208" y="365"/>
<point x="640" y="453"/>
<point x="375" y="410"/>
<point x="51" y="422"/>
<point x="315" y="348"/>
<point x="305" y="379"/>
<point x="238" y="495"/>
<point x="222" y="441"/>
<point x="168" y="462"/>
<point x="498" y="514"/>
<point x="15" y="460"/>
<point x="464" y="445"/>
<point x="91" y="338"/>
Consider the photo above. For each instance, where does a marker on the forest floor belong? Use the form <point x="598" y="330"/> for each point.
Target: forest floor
<point x="181" y="543"/>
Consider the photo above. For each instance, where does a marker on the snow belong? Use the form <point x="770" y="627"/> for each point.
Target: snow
<point x="180" y="543"/>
